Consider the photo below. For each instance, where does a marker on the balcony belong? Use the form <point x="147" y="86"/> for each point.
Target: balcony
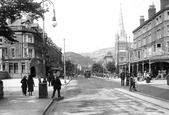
<point x="21" y="28"/>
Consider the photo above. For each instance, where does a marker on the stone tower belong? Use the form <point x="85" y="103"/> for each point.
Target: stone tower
<point x="121" y="43"/>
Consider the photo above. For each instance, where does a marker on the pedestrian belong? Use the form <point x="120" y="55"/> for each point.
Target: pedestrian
<point x="122" y="76"/>
<point x="127" y="78"/>
<point x="144" y="75"/>
<point x="49" y="79"/>
<point x="24" y="86"/>
<point x="148" y="78"/>
<point x="30" y="85"/>
<point x="132" y="83"/>
<point x="56" y="83"/>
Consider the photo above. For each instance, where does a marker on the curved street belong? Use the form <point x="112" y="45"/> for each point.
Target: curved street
<point x="96" y="96"/>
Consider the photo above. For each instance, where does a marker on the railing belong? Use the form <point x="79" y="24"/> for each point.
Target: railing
<point x="158" y="53"/>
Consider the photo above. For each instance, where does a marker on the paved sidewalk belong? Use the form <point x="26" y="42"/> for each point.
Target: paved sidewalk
<point x="156" y="83"/>
<point x="156" y="92"/>
<point x="15" y="103"/>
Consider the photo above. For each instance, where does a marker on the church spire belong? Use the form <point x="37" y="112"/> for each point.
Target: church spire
<point x="121" y="31"/>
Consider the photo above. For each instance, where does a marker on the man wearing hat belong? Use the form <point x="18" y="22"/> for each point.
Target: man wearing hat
<point x="56" y="83"/>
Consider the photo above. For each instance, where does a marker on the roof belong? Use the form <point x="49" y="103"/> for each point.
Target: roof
<point x="150" y="19"/>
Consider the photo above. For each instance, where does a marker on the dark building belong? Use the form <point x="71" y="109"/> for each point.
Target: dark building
<point x="26" y="56"/>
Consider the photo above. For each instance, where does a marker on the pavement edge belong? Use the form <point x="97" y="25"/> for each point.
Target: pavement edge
<point x="150" y="99"/>
<point x="47" y="106"/>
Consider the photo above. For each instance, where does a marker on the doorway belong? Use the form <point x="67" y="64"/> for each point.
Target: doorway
<point x="33" y="71"/>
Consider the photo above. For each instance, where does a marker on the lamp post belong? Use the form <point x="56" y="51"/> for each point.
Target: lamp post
<point x="129" y="55"/>
<point x="44" y="37"/>
<point x="43" y="93"/>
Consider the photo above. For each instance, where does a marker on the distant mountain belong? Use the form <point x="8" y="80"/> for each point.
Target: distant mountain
<point x="87" y="59"/>
<point x="79" y="59"/>
<point x="98" y="55"/>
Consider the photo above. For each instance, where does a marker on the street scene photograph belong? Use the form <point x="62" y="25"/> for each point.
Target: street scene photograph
<point x="84" y="57"/>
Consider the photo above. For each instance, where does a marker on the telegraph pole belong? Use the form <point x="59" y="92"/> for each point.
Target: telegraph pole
<point x="118" y="54"/>
<point x="129" y="55"/>
<point x="64" y="63"/>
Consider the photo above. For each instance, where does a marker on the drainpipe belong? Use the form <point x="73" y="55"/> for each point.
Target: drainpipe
<point x="149" y="66"/>
<point x="142" y="67"/>
<point x="133" y="69"/>
<point x="137" y="68"/>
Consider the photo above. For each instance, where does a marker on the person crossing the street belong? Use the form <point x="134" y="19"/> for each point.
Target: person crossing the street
<point x="56" y="83"/>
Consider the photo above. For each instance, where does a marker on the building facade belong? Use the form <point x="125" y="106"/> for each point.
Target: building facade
<point x="151" y="42"/>
<point x="26" y="56"/>
<point x="108" y="58"/>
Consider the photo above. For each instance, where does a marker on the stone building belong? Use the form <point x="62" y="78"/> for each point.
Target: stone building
<point x="108" y="58"/>
<point x="26" y="56"/>
<point x="151" y="42"/>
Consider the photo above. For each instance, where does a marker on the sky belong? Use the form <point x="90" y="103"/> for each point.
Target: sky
<point x="89" y="25"/>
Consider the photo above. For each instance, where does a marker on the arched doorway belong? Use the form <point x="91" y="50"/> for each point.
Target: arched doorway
<point x="33" y="71"/>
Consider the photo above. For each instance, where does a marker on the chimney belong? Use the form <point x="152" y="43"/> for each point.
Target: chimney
<point x="151" y="11"/>
<point x="164" y="3"/>
<point x="141" y="20"/>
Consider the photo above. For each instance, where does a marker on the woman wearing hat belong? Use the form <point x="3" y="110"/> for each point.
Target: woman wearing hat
<point x="24" y="86"/>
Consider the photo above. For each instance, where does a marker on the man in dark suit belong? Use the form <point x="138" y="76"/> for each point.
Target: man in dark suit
<point x="122" y="76"/>
<point x="56" y="83"/>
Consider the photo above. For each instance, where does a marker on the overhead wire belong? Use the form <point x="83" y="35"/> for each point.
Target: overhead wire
<point x="136" y="8"/>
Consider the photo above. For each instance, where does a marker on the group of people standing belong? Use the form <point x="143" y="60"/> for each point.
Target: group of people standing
<point x="130" y="80"/>
<point x="27" y="85"/>
<point x="53" y="80"/>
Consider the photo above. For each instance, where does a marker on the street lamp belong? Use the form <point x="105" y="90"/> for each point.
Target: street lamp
<point x="43" y="93"/>
<point x="44" y="37"/>
<point x="54" y="23"/>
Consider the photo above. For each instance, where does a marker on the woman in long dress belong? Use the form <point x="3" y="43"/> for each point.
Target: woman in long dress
<point x="24" y="86"/>
<point x="30" y="85"/>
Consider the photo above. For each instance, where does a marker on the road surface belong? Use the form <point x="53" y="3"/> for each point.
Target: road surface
<point x="95" y="96"/>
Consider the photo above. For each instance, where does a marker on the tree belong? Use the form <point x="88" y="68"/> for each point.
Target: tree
<point x="14" y="9"/>
<point x="97" y="68"/>
<point x="110" y="66"/>
<point x="69" y="68"/>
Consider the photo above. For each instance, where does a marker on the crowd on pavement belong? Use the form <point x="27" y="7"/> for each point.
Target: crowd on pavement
<point x="53" y="79"/>
<point x="131" y="80"/>
<point x="17" y="103"/>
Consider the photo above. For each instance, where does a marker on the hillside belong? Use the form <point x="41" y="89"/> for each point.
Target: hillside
<point x="98" y="55"/>
<point x="79" y="59"/>
<point x="87" y="59"/>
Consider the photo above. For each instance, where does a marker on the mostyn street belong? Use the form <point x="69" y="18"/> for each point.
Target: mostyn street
<point x="95" y="96"/>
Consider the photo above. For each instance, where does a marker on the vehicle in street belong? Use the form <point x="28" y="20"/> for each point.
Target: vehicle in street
<point x="87" y="73"/>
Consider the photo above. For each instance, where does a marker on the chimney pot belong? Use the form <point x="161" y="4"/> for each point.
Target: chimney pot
<point x="151" y="11"/>
<point x="141" y="20"/>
